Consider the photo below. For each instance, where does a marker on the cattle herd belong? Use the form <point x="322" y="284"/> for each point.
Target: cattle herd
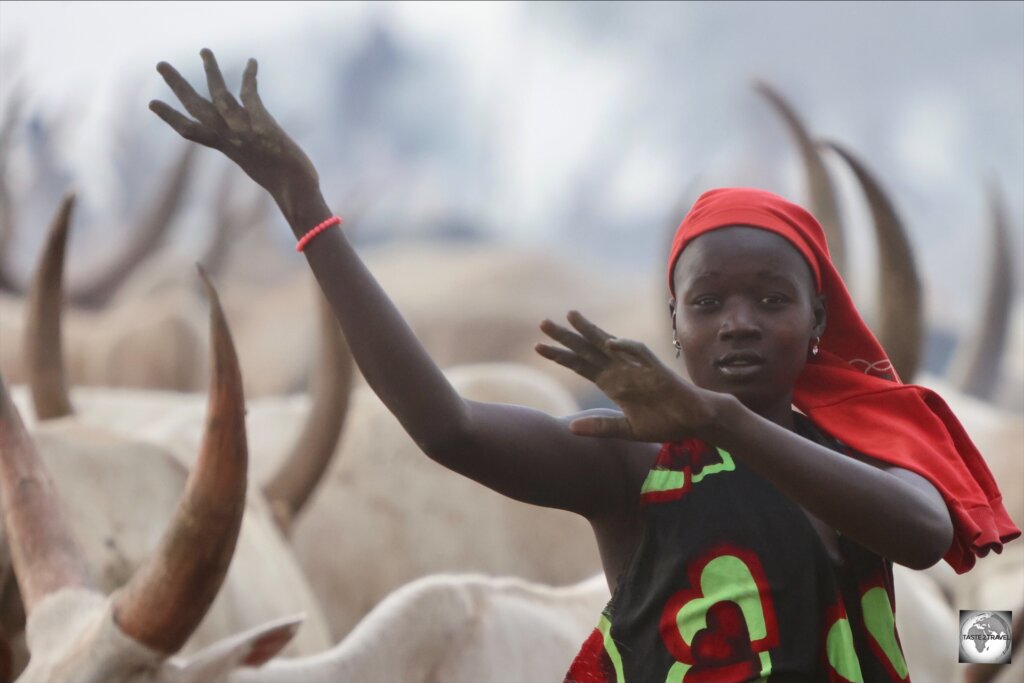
<point x="178" y="507"/>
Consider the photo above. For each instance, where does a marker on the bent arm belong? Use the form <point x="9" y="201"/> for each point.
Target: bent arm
<point x="517" y="451"/>
<point x="520" y="452"/>
<point x="889" y="510"/>
<point x="386" y="350"/>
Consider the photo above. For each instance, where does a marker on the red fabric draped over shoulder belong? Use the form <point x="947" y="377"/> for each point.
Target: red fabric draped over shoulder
<point x="850" y="389"/>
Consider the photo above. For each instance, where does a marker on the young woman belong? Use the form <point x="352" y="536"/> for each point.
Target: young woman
<point x="740" y="538"/>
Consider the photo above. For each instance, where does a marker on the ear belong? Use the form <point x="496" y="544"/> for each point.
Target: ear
<point x="820" y="309"/>
<point x="253" y="648"/>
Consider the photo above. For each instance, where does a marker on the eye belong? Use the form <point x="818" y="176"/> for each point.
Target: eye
<point x="705" y="301"/>
<point x="774" y="299"/>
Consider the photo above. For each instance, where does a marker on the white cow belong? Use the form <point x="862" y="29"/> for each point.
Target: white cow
<point x="120" y="491"/>
<point x="383" y="510"/>
<point x="442" y="628"/>
<point x="428" y="522"/>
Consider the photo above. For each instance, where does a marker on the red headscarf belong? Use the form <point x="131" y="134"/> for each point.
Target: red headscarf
<point x="850" y="389"/>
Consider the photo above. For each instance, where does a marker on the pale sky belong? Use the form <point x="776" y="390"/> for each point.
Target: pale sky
<point x="561" y="114"/>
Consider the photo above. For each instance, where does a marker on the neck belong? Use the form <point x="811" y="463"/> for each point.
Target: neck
<point x="781" y="412"/>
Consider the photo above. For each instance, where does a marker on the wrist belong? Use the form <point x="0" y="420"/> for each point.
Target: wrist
<point x="305" y="211"/>
<point x="723" y="413"/>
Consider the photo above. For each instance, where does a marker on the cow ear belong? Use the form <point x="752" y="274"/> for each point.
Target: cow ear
<point x="268" y="643"/>
<point x="253" y="648"/>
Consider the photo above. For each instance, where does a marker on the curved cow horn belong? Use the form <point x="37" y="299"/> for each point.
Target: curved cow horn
<point x="901" y="323"/>
<point x="143" y="239"/>
<point x="299" y="473"/>
<point x="975" y="368"/>
<point x="819" y="184"/>
<point x="170" y="593"/>
<point x="44" y="552"/>
<point x="43" y="347"/>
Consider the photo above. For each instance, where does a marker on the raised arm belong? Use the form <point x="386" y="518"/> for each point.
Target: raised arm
<point x="520" y="452"/>
<point x="893" y="512"/>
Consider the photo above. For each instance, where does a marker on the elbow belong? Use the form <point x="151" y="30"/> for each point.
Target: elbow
<point x="933" y="541"/>
<point x="443" y="440"/>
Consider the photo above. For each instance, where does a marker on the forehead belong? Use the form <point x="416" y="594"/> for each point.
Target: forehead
<point x="741" y="249"/>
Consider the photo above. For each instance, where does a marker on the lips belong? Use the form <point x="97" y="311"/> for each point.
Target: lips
<point x="740" y="365"/>
<point x="740" y="359"/>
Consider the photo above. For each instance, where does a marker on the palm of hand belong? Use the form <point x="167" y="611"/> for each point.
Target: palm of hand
<point x="657" y="404"/>
<point x="645" y="393"/>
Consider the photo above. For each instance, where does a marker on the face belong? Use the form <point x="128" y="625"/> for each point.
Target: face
<point x="746" y="315"/>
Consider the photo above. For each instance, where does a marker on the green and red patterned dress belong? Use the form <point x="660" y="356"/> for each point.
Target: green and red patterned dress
<point x="730" y="582"/>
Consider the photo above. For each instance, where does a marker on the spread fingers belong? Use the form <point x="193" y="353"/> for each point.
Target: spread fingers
<point x="573" y="341"/>
<point x="591" y="332"/>
<point x="183" y="125"/>
<point x="568" y="359"/>
<point x="258" y="115"/>
<point x="202" y="110"/>
<point x="223" y="100"/>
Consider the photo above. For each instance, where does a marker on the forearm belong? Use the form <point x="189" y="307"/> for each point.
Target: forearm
<point x="386" y="350"/>
<point x="876" y="508"/>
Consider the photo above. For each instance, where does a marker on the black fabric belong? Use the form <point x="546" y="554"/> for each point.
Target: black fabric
<point x="729" y="531"/>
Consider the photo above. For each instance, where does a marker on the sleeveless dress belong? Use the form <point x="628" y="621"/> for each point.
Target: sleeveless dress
<point x="730" y="582"/>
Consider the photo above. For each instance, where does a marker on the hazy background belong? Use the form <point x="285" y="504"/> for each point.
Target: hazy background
<point x="581" y="127"/>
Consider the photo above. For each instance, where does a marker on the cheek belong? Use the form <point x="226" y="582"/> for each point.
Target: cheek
<point x="795" y="346"/>
<point x="692" y="329"/>
<point x="696" y="349"/>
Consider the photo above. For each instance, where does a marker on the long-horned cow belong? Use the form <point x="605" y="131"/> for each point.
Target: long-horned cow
<point x="120" y="489"/>
<point x="440" y="628"/>
<point x="74" y="632"/>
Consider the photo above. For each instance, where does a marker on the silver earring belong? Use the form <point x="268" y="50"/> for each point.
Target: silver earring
<point x="675" y="343"/>
<point x="814" y="349"/>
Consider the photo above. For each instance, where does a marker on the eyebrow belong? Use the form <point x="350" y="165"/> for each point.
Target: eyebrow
<point x="779" y="276"/>
<point x="787" y="277"/>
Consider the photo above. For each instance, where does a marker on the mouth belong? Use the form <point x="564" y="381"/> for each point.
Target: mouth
<point x="740" y="363"/>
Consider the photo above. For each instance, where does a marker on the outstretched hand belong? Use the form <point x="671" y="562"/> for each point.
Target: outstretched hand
<point x="246" y="133"/>
<point x="657" y="404"/>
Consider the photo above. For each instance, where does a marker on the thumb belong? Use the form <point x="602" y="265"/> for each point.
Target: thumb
<point x="605" y="427"/>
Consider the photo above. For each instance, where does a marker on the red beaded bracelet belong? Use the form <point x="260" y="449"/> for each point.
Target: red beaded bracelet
<point x="305" y="239"/>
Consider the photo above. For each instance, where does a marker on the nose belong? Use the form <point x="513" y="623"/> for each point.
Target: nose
<point x="739" y="321"/>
